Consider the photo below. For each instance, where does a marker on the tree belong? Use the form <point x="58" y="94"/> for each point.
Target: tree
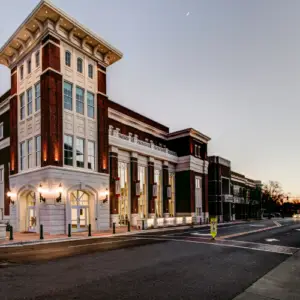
<point x="272" y="195"/>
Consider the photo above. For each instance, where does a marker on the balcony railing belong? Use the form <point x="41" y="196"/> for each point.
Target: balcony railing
<point x="134" y="139"/>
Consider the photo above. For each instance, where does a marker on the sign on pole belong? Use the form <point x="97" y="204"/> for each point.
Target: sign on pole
<point x="213" y="227"/>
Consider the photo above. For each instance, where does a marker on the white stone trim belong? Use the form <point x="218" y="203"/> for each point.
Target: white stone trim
<point x="191" y="163"/>
<point x="5" y="143"/>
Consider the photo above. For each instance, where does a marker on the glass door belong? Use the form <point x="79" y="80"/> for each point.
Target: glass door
<point x="79" y="210"/>
<point x="31" y="212"/>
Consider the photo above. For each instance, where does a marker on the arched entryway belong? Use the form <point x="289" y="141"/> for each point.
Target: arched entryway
<point x="31" y="212"/>
<point x="80" y="210"/>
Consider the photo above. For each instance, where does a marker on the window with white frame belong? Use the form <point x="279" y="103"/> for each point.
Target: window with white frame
<point x="29" y="153"/>
<point x="21" y="72"/>
<point x="22" y="106"/>
<point x="37" y="94"/>
<point x="38" y="150"/>
<point x="68" y="150"/>
<point x="79" y="65"/>
<point x="80" y="153"/>
<point x="68" y="95"/>
<point x="198" y="195"/>
<point x="29" y="66"/>
<point x="90" y="71"/>
<point x="22" y="155"/>
<point x="1" y="130"/>
<point x="79" y="100"/>
<point x="68" y="58"/>
<point x="91" y="155"/>
<point x="91" y="105"/>
<point x="29" y="102"/>
<point x="37" y="58"/>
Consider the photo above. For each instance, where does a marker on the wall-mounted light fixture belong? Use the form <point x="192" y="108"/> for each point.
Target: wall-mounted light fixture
<point x="59" y="190"/>
<point x="40" y="190"/>
<point x="105" y="194"/>
<point x="11" y="195"/>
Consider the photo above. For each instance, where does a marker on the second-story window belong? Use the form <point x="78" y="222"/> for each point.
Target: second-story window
<point x="91" y="155"/>
<point x="68" y="96"/>
<point x="29" y="102"/>
<point x="80" y="153"/>
<point x="22" y="106"/>
<point x="38" y="150"/>
<point x="68" y="58"/>
<point x="29" y="153"/>
<point x="91" y="105"/>
<point x="22" y="155"/>
<point x="79" y="65"/>
<point x="79" y="100"/>
<point x="68" y="150"/>
<point x="90" y="71"/>
<point x="29" y="66"/>
<point x="37" y="58"/>
<point x="37" y="96"/>
<point x="21" y="72"/>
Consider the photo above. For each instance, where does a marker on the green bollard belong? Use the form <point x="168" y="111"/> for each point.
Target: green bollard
<point x="114" y="228"/>
<point x="128" y="226"/>
<point x="69" y="230"/>
<point x="41" y="232"/>
<point x="90" y="230"/>
<point x="11" y="233"/>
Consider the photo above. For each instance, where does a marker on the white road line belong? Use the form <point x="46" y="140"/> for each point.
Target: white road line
<point x="200" y="234"/>
<point x="234" y="246"/>
<point x="271" y="240"/>
<point x="277" y="223"/>
<point x="257" y="225"/>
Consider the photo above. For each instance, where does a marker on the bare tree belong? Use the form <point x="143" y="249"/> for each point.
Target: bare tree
<point x="272" y="195"/>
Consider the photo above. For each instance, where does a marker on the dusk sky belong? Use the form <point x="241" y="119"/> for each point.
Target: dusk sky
<point x="229" y="69"/>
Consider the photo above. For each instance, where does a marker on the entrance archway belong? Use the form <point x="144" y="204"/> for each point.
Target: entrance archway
<point x="31" y="214"/>
<point x="80" y="210"/>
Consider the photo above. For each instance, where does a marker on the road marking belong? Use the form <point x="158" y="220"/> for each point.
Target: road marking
<point x="298" y="229"/>
<point x="271" y="240"/>
<point x="277" y="223"/>
<point x="235" y="244"/>
<point x="200" y="234"/>
<point x="257" y="225"/>
<point x="102" y="243"/>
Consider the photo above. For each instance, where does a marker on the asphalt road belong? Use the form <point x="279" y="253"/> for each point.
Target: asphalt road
<point x="156" y="266"/>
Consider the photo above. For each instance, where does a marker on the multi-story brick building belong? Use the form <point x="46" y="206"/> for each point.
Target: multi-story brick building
<point x="69" y="155"/>
<point x="231" y="195"/>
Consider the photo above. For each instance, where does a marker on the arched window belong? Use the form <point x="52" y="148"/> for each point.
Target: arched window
<point x="79" y="65"/>
<point x="90" y="71"/>
<point x="68" y="59"/>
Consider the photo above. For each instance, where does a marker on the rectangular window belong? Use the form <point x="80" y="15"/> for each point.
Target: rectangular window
<point x="38" y="150"/>
<point x="37" y="97"/>
<point x="22" y="106"/>
<point x="68" y="150"/>
<point x="91" y="155"/>
<point x="29" y="66"/>
<point x="1" y="131"/>
<point x="1" y="175"/>
<point x="29" y="102"/>
<point x="29" y="154"/>
<point x="68" y="96"/>
<point x="37" y="58"/>
<point x="21" y="72"/>
<point x="79" y="100"/>
<point x="80" y="153"/>
<point x="22" y="155"/>
<point x="91" y="105"/>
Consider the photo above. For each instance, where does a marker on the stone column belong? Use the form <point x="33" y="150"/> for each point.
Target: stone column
<point x="113" y="176"/>
<point x="133" y="182"/>
<point x="151" y="202"/>
<point x="165" y="177"/>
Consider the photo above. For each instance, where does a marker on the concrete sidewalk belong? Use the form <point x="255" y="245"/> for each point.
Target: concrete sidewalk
<point x="282" y="283"/>
<point x="23" y="239"/>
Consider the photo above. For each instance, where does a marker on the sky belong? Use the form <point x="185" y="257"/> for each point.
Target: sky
<point x="229" y="69"/>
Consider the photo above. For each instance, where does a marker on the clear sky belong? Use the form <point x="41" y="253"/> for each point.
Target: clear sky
<point x="230" y="69"/>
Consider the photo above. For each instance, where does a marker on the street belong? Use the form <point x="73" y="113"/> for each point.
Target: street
<point x="178" y="265"/>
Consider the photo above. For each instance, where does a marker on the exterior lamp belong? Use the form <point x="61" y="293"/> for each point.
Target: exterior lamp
<point x="59" y="190"/>
<point x="106" y="196"/>
<point x="40" y="190"/>
<point x="10" y="195"/>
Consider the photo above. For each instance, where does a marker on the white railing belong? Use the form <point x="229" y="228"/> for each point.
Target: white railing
<point x="134" y="139"/>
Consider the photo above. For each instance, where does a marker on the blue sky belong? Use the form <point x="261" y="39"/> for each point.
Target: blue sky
<point x="230" y="69"/>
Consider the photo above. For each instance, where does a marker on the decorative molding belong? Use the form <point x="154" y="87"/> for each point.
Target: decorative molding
<point x="191" y="163"/>
<point x="5" y="143"/>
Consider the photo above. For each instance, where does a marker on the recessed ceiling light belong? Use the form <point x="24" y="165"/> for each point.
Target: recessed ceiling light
<point x="75" y="29"/>
<point x="46" y="11"/>
<point x="17" y="44"/>
<point x="33" y="26"/>
<point x="25" y="34"/>
<point x="65" y="24"/>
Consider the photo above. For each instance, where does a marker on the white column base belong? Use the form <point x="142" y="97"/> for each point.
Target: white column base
<point x="114" y="219"/>
<point x="233" y="217"/>
<point x="134" y="218"/>
<point x="166" y="215"/>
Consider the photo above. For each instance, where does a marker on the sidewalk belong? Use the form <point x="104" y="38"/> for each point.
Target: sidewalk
<point x="282" y="283"/>
<point x="21" y="239"/>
